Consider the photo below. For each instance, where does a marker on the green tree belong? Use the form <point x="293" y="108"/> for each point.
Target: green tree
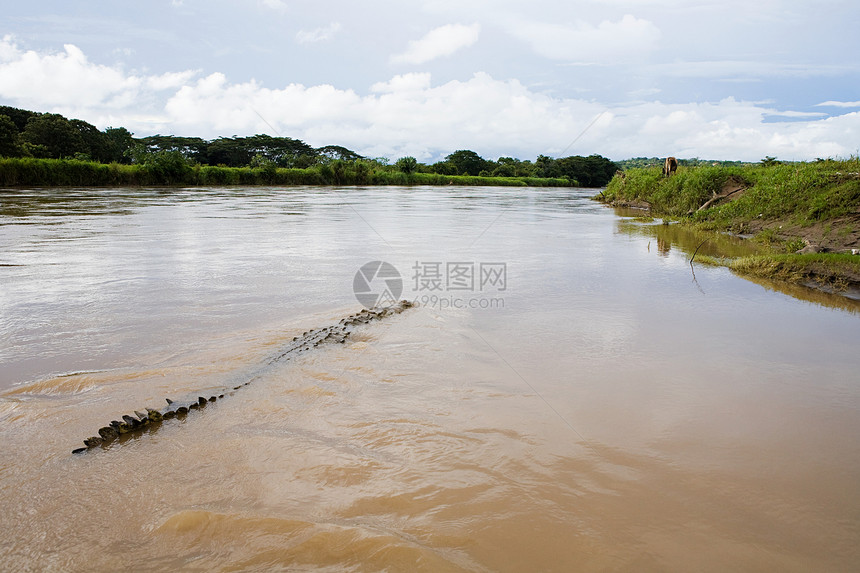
<point x="55" y="134"/>
<point x="546" y="166"/>
<point x="192" y="148"/>
<point x="332" y="152"/>
<point x="96" y="144"/>
<point x="591" y="171"/>
<point x="19" y="116"/>
<point x="362" y="171"/>
<point x="166" y="167"/>
<point x="170" y="167"/>
<point x="444" y="168"/>
<point x="505" y="167"/>
<point x="119" y="141"/>
<point x="9" y="146"/>
<point x="406" y="165"/>
<point x="283" y="151"/>
<point x="601" y="170"/>
<point x="267" y="167"/>
<point x="229" y="151"/>
<point x="467" y="162"/>
<point x="511" y="167"/>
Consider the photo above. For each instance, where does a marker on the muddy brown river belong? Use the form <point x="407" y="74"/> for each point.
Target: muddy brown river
<point x="568" y="396"/>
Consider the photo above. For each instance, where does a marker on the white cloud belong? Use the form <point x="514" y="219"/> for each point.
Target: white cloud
<point x="404" y="116"/>
<point x="170" y="80"/>
<point x="585" y="42"/>
<point x="8" y="50"/>
<point x="832" y="103"/>
<point x="404" y="83"/>
<point x="409" y="115"/>
<point x="727" y="129"/>
<point x="318" y="34"/>
<point x="797" y="114"/>
<point x="64" y="78"/>
<point x="213" y="106"/>
<point x="278" y="5"/>
<point x="439" y="42"/>
<point x="744" y="69"/>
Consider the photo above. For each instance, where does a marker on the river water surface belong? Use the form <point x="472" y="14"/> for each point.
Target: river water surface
<point x="568" y="396"/>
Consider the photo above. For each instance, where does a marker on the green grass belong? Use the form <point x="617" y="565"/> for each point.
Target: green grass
<point x="31" y="172"/>
<point x="674" y="196"/>
<point x="712" y="261"/>
<point x="799" y="193"/>
<point x="834" y="269"/>
<point x="794" y="196"/>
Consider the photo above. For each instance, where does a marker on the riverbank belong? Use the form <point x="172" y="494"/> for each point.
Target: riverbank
<point x="805" y="216"/>
<point x="31" y="172"/>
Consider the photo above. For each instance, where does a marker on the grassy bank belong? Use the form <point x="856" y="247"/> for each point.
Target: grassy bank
<point x="836" y="271"/>
<point x="806" y="215"/>
<point x="31" y="172"/>
<point x="798" y="193"/>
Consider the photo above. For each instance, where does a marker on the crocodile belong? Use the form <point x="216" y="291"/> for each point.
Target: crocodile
<point x="149" y="419"/>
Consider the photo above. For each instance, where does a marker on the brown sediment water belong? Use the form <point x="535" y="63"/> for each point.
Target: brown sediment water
<point x="598" y="410"/>
<point x="150" y="420"/>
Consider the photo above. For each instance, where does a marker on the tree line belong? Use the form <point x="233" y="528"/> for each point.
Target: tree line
<point x="646" y="162"/>
<point x="29" y="134"/>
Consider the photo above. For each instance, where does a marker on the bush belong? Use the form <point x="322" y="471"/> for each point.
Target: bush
<point x="171" y="168"/>
<point x="407" y="165"/>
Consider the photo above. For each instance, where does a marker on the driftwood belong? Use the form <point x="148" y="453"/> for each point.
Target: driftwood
<point x="720" y="197"/>
<point x="696" y="251"/>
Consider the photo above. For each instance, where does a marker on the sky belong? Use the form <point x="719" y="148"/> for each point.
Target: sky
<point x="725" y="79"/>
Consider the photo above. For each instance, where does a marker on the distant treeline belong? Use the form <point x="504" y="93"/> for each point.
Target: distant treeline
<point x="259" y="159"/>
<point x="645" y="162"/>
<point x="166" y="170"/>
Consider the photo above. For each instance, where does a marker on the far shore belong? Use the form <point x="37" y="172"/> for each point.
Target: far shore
<point x="805" y="217"/>
<point x="16" y="172"/>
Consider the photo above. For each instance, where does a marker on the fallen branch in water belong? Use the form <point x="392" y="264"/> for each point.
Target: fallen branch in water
<point x="696" y="251"/>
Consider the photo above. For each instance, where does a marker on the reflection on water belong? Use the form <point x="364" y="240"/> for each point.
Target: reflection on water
<point x="611" y="415"/>
<point x="810" y="294"/>
<point x="687" y="240"/>
<point x="665" y="237"/>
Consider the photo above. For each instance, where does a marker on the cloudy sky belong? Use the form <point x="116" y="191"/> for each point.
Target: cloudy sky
<point x="623" y="78"/>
